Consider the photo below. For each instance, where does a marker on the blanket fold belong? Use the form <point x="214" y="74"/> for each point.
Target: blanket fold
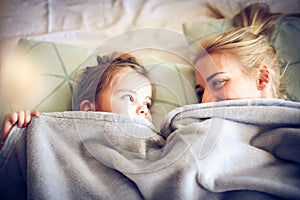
<point x="241" y="149"/>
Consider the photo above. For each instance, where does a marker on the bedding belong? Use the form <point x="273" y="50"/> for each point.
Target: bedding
<point x="228" y="150"/>
<point x="239" y="149"/>
<point x="63" y="36"/>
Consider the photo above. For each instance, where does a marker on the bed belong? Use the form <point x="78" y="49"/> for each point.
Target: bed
<point x="245" y="149"/>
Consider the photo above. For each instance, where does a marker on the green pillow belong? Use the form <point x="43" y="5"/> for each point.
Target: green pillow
<point x="285" y="40"/>
<point x="39" y="76"/>
<point x="175" y="85"/>
<point x="195" y="31"/>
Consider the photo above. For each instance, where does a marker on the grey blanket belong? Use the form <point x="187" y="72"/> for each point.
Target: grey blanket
<point x="244" y="149"/>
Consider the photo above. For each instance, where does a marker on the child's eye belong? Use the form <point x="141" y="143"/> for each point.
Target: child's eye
<point x="149" y="105"/>
<point x="129" y="98"/>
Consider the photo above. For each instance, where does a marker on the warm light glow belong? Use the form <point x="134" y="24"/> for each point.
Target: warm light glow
<point x="19" y="79"/>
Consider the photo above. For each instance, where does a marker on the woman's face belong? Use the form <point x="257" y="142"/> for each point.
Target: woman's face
<point x="220" y="77"/>
<point x="130" y="93"/>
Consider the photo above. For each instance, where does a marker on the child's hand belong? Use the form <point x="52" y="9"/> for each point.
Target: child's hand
<point x="21" y="118"/>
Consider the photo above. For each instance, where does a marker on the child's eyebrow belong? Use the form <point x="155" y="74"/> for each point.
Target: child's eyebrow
<point x="126" y="91"/>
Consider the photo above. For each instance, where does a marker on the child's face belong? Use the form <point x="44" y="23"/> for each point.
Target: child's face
<point x="129" y="93"/>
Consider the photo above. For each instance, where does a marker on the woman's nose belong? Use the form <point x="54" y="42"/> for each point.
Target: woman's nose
<point x="206" y="97"/>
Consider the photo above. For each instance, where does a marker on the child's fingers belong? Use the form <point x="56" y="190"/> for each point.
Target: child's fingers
<point x="35" y="113"/>
<point x="27" y="118"/>
<point x="13" y="118"/>
<point x="28" y="115"/>
<point x="21" y="118"/>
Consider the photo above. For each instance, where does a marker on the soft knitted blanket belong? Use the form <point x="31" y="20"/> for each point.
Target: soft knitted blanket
<point x="242" y="149"/>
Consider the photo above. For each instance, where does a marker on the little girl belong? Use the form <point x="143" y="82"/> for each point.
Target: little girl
<point x="117" y="84"/>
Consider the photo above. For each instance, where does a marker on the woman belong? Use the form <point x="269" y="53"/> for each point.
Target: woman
<point x="240" y="63"/>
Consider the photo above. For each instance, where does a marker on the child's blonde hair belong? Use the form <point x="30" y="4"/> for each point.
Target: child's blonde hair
<point x="93" y="80"/>
<point x="250" y="42"/>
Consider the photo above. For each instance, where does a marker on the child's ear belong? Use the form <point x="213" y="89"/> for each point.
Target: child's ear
<point x="86" y="105"/>
<point x="263" y="77"/>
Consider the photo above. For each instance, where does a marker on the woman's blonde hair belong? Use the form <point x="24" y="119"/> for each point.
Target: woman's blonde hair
<point x="250" y="41"/>
<point x="93" y="80"/>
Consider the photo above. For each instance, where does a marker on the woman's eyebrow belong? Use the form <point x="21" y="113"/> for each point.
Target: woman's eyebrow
<point x="213" y="75"/>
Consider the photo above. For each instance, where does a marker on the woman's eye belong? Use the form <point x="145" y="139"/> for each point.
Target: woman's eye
<point x="218" y="83"/>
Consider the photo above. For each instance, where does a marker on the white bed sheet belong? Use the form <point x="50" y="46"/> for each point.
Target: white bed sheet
<point x="90" y="22"/>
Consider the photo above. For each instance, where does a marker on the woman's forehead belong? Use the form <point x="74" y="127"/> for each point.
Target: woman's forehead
<point x="207" y="65"/>
<point x="216" y="62"/>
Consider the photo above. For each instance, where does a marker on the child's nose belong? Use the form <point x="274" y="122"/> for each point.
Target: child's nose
<point x="143" y="111"/>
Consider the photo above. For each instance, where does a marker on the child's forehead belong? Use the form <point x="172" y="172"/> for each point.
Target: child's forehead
<point x="132" y="83"/>
<point x="132" y="77"/>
